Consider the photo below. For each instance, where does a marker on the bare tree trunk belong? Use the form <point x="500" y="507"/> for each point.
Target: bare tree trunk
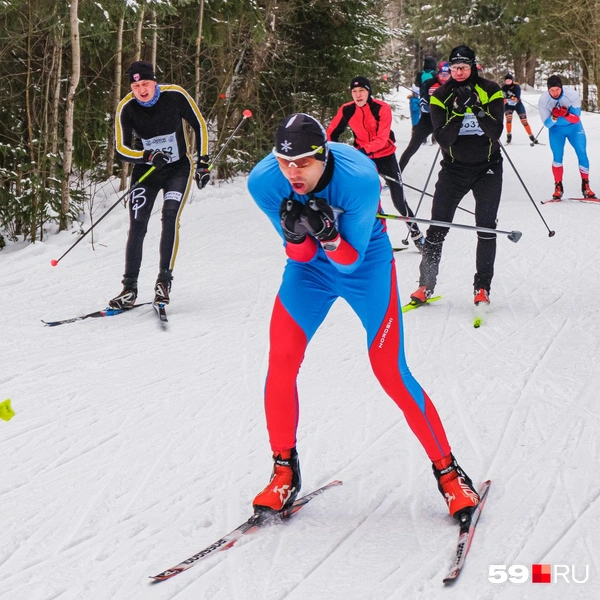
<point x="198" y="46"/>
<point x="110" y="157"/>
<point x="138" y="37"/>
<point x="530" y="62"/>
<point x="45" y="124"/>
<point x="138" y="55"/>
<point x="154" y="39"/>
<point x="585" y="77"/>
<point x="70" y="114"/>
<point x="56" y="102"/>
<point x="43" y="160"/>
<point x="30" y="138"/>
<point x="519" y="67"/>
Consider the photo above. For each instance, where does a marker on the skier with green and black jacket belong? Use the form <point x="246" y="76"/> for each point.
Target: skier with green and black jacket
<point x="467" y="115"/>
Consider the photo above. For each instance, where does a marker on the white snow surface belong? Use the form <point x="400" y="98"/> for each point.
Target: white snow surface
<point x="134" y="447"/>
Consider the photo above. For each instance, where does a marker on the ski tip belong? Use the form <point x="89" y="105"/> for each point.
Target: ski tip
<point x="167" y="574"/>
<point x="450" y="578"/>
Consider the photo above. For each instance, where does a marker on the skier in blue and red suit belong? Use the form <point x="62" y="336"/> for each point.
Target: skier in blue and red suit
<point x="560" y="112"/>
<point x="322" y="198"/>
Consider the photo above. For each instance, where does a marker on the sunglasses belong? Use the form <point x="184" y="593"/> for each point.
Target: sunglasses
<point x="298" y="163"/>
<point x="455" y="68"/>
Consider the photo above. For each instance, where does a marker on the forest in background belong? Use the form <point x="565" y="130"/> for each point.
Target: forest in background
<point x="63" y="65"/>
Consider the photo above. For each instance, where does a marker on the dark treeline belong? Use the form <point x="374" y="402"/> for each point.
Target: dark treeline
<point x="63" y="64"/>
<point x="530" y="38"/>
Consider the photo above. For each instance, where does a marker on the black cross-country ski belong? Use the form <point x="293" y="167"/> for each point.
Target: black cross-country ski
<point x="256" y="521"/>
<point x="551" y="200"/>
<point x="107" y="312"/>
<point x="159" y="307"/>
<point x="465" y="537"/>
<point x="399" y="249"/>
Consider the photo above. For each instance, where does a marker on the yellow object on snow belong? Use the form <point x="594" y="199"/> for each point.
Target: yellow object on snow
<point x="6" y="412"/>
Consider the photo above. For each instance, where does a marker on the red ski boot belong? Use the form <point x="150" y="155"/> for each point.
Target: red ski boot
<point x="481" y="296"/>
<point x="558" y="191"/>
<point x="284" y="485"/>
<point x="585" y="189"/>
<point x="421" y="295"/>
<point x="456" y="487"/>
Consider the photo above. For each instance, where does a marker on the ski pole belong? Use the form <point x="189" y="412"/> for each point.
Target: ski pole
<point x="550" y="231"/>
<point x="513" y="236"/>
<point x="410" y="187"/>
<point x="537" y="136"/>
<point x="245" y="115"/>
<point x="55" y="261"/>
<point x="405" y="242"/>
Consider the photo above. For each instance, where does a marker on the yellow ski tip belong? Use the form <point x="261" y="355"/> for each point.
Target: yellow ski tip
<point x="6" y="411"/>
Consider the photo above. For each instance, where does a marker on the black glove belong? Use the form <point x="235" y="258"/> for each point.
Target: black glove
<point x="464" y="97"/>
<point x="158" y="158"/>
<point x="202" y="174"/>
<point x="318" y="218"/>
<point x="290" y="212"/>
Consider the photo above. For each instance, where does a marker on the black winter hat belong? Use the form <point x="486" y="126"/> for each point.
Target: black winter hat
<point x="300" y="135"/>
<point x="554" y="81"/>
<point x="140" y="70"/>
<point x="462" y="55"/>
<point x="429" y="64"/>
<point x="509" y="76"/>
<point x="362" y="82"/>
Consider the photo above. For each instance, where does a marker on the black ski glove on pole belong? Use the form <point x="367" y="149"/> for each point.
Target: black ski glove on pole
<point x="158" y="158"/>
<point x="202" y="174"/>
<point x="318" y="218"/>
<point x="290" y="212"/>
<point x="464" y="97"/>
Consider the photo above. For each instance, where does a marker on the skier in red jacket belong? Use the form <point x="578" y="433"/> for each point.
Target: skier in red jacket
<point x="371" y="123"/>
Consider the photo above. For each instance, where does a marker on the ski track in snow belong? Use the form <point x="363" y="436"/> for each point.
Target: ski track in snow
<point x="134" y="447"/>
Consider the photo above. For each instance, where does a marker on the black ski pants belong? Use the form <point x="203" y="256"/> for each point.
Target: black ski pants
<point x="388" y="165"/>
<point x="419" y="135"/>
<point x="454" y="182"/>
<point x="175" y="180"/>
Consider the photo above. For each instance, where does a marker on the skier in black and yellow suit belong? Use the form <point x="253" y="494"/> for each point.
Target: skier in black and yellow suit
<point x="150" y="133"/>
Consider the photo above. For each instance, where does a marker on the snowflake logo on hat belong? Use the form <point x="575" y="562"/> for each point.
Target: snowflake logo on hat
<point x="136" y="76"/>
<point x="286" y="146"/>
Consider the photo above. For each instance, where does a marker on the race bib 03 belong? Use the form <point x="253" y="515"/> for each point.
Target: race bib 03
<point x="470" y="125"/>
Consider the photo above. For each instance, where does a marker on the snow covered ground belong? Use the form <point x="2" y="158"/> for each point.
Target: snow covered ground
<point x="134" y="447"/>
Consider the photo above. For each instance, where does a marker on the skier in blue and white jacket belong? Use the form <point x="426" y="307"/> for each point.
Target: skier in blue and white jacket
<point x="560" y="111"/>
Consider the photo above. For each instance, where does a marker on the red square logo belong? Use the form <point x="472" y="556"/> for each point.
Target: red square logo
<point x="541" y="573"/>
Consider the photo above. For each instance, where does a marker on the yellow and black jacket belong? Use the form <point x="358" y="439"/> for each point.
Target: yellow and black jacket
<point x="470" y="138"/>
<point x="159" y="126"/>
